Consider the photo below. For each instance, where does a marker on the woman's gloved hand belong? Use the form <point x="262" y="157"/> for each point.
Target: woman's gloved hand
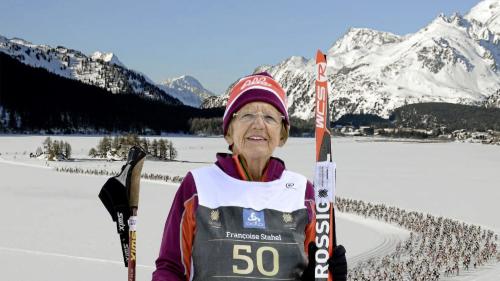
<point x="337" y="264"/>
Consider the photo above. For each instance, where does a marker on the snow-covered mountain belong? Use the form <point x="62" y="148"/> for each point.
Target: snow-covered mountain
<point x="107" y="57"/>
<point x="486" y="16"/>
<point x="100" y="69"/>
<point x="453" y="59"/>
<point x="187" y="89"/>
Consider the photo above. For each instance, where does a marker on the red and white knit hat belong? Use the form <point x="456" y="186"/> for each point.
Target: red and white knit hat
<point x="256" y="87"/>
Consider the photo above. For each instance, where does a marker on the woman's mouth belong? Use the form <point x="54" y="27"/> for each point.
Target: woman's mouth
<point x="256" y="138"/>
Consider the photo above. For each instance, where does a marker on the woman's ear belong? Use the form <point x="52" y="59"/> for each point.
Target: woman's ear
<point x="283" y="135"/>
<point x="229" y="139"/>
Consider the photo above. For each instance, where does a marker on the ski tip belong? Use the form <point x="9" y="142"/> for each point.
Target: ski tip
<point x="320" y="57"/>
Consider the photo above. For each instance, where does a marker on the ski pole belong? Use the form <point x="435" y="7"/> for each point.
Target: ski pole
<point x="132" y="222"/>
<point x="120" y="196"/>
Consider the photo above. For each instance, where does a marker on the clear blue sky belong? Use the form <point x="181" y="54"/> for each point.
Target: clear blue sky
<point x="214" y="41"/>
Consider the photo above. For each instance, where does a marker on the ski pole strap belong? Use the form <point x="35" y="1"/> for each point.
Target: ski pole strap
<point x="124" y="239"/>
<point x="123" y="231"/>
<point x="114" y="197"/>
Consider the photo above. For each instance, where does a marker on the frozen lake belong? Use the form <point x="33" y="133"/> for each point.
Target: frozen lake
<point x="55" y="226"/>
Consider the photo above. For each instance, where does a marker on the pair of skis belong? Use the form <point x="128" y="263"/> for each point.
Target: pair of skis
<point x="324" y="178"/>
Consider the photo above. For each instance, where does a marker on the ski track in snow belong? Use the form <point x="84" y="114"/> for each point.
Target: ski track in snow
<point x="88" y="259"/>
<point x="391" y="237"/>
<point x="22" y="164"/>
<point x="386" y="247"/>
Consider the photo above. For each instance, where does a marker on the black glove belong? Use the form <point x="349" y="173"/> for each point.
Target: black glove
<point x="337" y="264"/>
<point x="308" y="274"/>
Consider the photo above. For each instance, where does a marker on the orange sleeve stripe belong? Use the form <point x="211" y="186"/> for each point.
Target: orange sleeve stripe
<point x="188" y="228"/>
<point x="310" y="232"/>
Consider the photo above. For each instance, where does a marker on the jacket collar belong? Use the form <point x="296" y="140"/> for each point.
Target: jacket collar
<point x="226" y="162"/>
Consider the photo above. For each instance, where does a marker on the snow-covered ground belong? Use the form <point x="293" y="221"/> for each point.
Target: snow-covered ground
<point x="55" y="228"/>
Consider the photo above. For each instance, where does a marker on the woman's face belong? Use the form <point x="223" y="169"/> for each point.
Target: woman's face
<point x="255" y="131"/>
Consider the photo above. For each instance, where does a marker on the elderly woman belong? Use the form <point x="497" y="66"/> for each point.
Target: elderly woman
<point x="246" y="216"/>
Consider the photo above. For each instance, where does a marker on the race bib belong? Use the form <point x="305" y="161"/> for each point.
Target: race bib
<point x="235" y="243"/>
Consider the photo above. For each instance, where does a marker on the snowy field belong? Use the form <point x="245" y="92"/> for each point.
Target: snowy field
<point x="55" y="227"/>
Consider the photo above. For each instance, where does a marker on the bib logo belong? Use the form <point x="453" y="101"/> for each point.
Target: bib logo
<point x="288" y="221"/>
<point x="214" y="215"/>
<point x="290" y="186"/>
<point x="214" y="218"/>
<point x="253" y="219"/>
<point x="287" y="218"/>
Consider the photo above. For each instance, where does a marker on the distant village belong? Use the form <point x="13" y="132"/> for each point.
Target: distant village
<point x="488" y="137"/>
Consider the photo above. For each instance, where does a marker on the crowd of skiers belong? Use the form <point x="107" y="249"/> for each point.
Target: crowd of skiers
<point x="436" y="247"/>
<point x="104" y="172"/>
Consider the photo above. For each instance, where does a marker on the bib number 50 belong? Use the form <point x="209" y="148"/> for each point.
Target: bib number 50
<point x="242" y="252"/>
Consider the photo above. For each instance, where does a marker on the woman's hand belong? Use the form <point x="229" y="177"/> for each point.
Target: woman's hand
<point x="337" y="264"/>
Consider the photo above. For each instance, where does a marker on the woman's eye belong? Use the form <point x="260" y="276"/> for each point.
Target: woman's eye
<point x="270" y="118"/>
<point x="247" y="116"/>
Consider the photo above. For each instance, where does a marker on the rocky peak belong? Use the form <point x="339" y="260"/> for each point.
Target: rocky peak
<point x="363" y="38"/>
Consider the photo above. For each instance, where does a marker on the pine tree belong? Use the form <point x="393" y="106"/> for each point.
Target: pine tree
<point x="116" y="143"/>
<point x="56" y="150"/>
<point x="172" y="151"/>
<point x="104" y="146"/>
<point x="93" y="152"/>
<point x="67" y="150"/>
<point x="154" y="149"/>
<point x="162" y="147"/>
<point x="47" y="145"/>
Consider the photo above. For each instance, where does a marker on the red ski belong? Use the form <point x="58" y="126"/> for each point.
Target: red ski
<point x="324" y="180"/>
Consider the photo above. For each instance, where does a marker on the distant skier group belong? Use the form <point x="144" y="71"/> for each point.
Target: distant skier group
<point x="437" y="246"/>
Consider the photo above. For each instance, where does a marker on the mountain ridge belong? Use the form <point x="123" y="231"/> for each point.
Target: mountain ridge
<point x="187" y="89"/>
<point x="105" y="70"/>
<point x="452" y="59"/>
